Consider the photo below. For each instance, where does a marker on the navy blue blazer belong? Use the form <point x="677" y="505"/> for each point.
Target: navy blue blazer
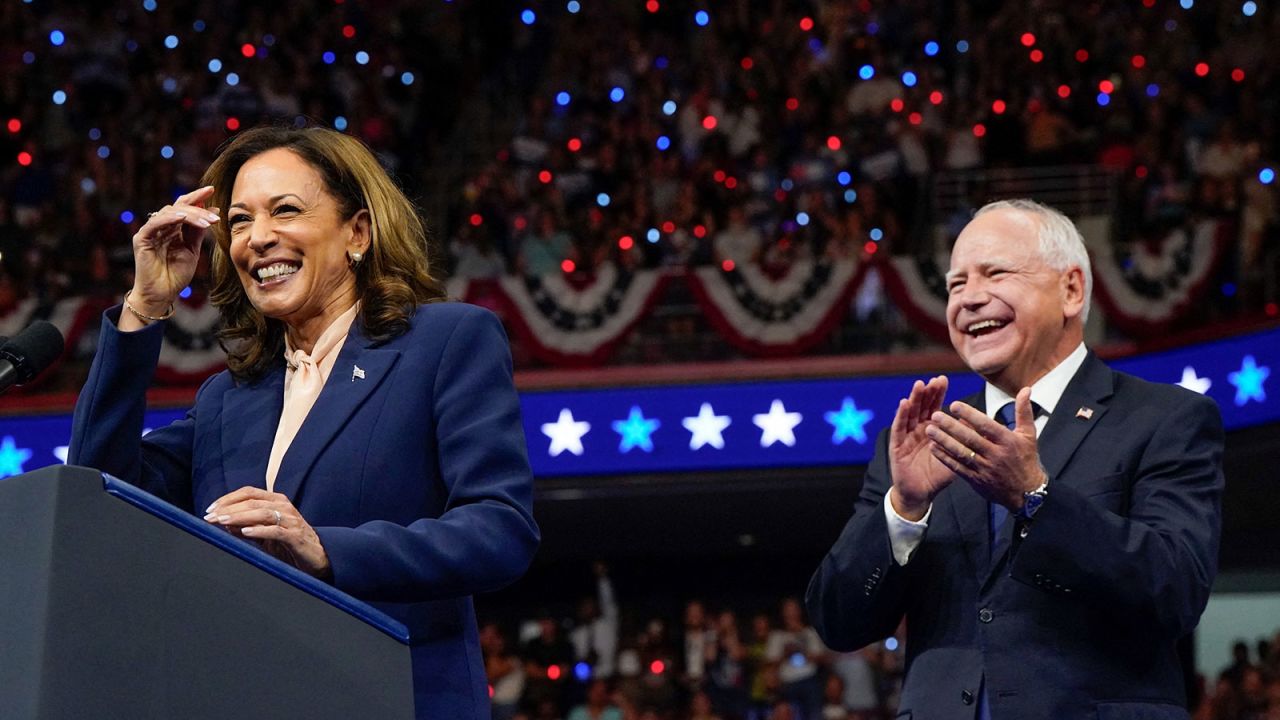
<point x="415" y="476"/>
<point x="1080" y="618"/>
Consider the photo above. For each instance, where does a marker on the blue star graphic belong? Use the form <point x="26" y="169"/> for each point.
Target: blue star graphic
<point x="12" y="457"/>
<point x="635" y="431"/>
<point x="849" y="422"/>
<point x="1248" y="381"/>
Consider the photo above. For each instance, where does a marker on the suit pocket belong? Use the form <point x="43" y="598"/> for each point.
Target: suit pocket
<point x="1141" y="711"/>
<point x="1109" y="491"/>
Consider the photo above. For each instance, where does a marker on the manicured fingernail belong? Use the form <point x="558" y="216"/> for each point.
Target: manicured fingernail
<point x="202" y="222"/>
<point x="210" y="517"/>
<point x="211" y="218"/>
<point x="248" y="530"/>
<point x="212" y="507"/>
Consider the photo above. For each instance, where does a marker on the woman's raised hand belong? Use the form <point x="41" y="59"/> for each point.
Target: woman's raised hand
<point x="166" y="250"/>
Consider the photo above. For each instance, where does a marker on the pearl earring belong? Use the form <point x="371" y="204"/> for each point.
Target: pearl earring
<point x="355" y="258"/>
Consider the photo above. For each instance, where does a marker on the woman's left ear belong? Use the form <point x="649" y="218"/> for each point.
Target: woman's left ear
<point x="360" y="239"/>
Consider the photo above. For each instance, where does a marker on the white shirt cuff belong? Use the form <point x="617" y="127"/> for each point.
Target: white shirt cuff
<point x="904" y="535"/>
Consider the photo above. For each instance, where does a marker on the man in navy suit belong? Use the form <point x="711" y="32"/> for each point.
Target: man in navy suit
<point x="1048" y="540"/>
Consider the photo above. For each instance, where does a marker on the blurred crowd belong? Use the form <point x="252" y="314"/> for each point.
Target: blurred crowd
<point x="556" y="136"/>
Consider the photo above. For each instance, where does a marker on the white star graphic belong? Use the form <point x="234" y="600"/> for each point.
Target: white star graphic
<point x="1193" y="383"/>
<point x="565" y="433"/>
<point x="706" y="427"/>
<point x="777" y="425"/>
<point x="60" y="452"/>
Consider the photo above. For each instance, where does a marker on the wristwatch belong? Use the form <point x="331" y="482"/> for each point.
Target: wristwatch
<point x="1032" y="500"/>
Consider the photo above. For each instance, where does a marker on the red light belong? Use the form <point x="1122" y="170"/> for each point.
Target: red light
<point x="490" y="692"/>
<point x="544" y="177"/>
<point x="896" y="104"/>
<point x="1028" y="39"/>
<point x="247" y="50"/>
<point x="870" y="248"/>
<point x="727" y="266"/>
<point x="521" y="223"/>
<point x="1148" y="3"/>
<point x="1237" y="75"/>
<point x="575" y="144"/>
<point x="1107" y="86"/>
<point x="668" y="227"/>
<point x="779" y="195"/>
<point x="718" y="176"/>
<point x="348" y="31"/>
<point x="792" y="104"/>
<point x="731" y="182"/>
<point x="915" y="118"/>
<point x="1272" y="309"/>
<point x="1082" y="55"/>
<point x="1034" y="106"/>
<point x="1202" y="69"/>
<point x="748" y="63"/>
<point x="979" y="130"/>
<point x="833" y="143"/>
<point x="476" y="219"/>
<point x="15" y="125"/>
<point x="24" y="158"/>
<point x="806" y="24"/>
<point x="568" y="267"/>
<point x="626" y="242"/>
<point x="553" y="672"/>
<point x="1138" y="61"/>
<point x="1064" y="91"/>
<point x="935" y="97"/>
<point x="709" y="122"/>
<point x="998" y="107"/>
<point x="1036" y="55"/>
<point x="657" y="666"/>
<point x="699" y="231"/>
<point x="233" y="124"/>
<point x="652" y="6"/>
<point x="1140" y="171"/>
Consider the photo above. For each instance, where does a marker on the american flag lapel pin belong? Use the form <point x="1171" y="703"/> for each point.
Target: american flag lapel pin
<point x="356" y="372"/>
<point x="1084" y="413"/>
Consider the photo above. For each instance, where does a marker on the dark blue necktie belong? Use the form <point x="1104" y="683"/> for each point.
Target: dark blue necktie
<point x="997" y="513"/>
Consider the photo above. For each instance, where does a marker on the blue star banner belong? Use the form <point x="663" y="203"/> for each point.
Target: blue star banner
<point x="754" y="424"/>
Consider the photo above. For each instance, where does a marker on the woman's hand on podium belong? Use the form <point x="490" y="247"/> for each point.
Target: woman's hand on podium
<point x="272" y="519"/>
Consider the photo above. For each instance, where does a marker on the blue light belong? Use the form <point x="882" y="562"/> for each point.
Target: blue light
<point x="171" y="41"/>
<point x="787" y="184"/>
<point x="215" y="65"/>
<point x="866" y="72"/>
<point x="602" y="199"/>
<point x="166" y="152"/>
<point x="702" y="18"/>
<point x="28" y="57"/>
<point x="636" y="431"/>
<point x="1228" y="289"/>
<point x="931" y="48"/>
<point x="56" y="38"/>
<point x="233" y="79"/>
<point x="104" y="152"/>
<point x="329" y="58"/>
<point x="873" y="27"/>
<point x="339" y="123"/>
<point x="1249" y="8"/>
<point x="617" y="94"/>
<point x="669" y="107"/>
<point x="849" y="423"/>
<point x="876" y="234"/>
<point x="198" y="26"/>
<point x="1104" y="99"/>
<point x="88" y="186"/>
<point x="573" y="7"/>
<point x="844" y="178"/>
<point x="149" y="5"/>
<point x="909" y="79"/>
<point x="850" y="195"/>
<point x="660" y="62"/>
<point x="95" y="134"/>
<point x="962" y="46"/>
<point x="131" y="45"/>
<point x="362" y="57"/>
<point x="1187" y="4"/>
<point x="653" y="235"/>
<point x="1153" y="90"/>
<point x="891" y="644"/>
<point x="406" y="78"/>
<point x="582" y="671"/>
<point x="1249" y="381"/>
<point x="664" y="142"/>
<point x="563" y="98"/>
<point x="59" y="97"/>
<point x="802" y="219"/>
<point x="528" y="17"/>
<point x="186" y="292"/>
<point x="169" y="85"/>
<point x="269" y="40"/>
<point x="126" y="217"/>
<point x="1266" y="176"/>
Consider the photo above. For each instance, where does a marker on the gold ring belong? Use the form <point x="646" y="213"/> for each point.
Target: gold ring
<point x="972" y="454"/>
<point x="150" y="215"/>
<point x="277" y="512"/>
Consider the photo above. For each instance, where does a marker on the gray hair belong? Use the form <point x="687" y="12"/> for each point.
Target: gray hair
<point x="1061" y="245"/>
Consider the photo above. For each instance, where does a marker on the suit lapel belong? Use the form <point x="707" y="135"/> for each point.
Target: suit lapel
<point x="359" y="370"/>
<point x="250" y="414"/>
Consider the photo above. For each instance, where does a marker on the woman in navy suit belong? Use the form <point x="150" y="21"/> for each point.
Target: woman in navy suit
<point x="364" y="432"/>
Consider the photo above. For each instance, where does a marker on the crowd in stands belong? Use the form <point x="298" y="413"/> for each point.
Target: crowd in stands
<point x="654" y="134"/>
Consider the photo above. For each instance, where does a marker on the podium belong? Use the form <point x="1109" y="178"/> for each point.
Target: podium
<point x="115" y="604"/>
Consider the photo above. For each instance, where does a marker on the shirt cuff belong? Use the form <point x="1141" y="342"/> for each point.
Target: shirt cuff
<point x="904" y="535"/>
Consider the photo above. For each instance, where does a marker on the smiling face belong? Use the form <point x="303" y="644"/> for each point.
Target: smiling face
<point x="1011" y="317"/>
<point x="289" y="243"/>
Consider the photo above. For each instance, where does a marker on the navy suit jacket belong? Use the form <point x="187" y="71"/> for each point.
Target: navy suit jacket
<point x="415" y="476"/>
<point x="1080" y="618"/>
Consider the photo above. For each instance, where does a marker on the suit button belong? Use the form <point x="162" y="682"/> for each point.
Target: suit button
<point x="985" y="615"/>
<point x="966" y="697"/>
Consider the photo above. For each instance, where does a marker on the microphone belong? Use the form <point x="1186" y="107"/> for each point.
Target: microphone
<point x="29" y="353"/>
